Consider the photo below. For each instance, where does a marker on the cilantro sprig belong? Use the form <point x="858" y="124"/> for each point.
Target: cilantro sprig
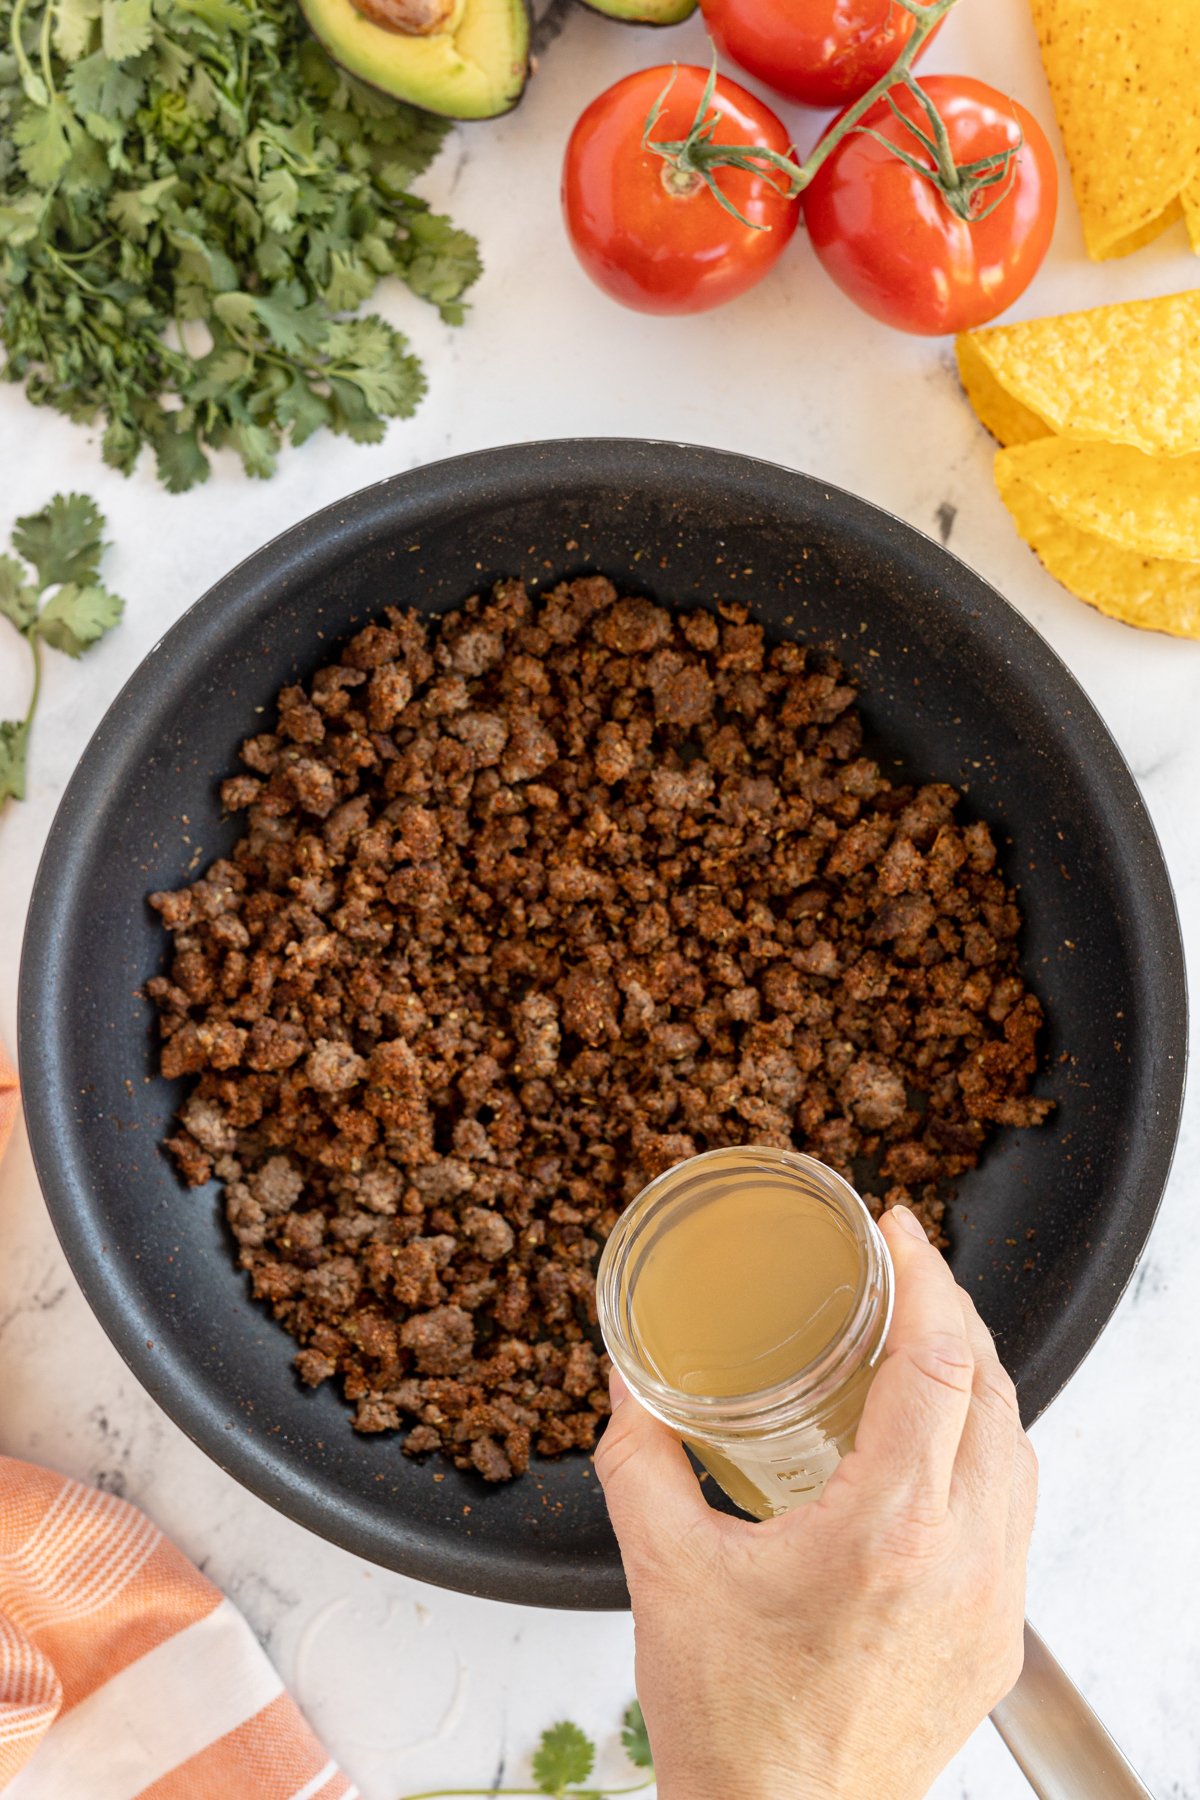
<point x="563" y="1762"/>
<point x="194" y="204"/>
<point x="50" y="594"/>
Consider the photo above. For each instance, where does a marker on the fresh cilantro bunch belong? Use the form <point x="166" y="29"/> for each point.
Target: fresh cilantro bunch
<point x="563" y="1761"/>
<point x="64" y="543"/>
<point x="192" y="199"/>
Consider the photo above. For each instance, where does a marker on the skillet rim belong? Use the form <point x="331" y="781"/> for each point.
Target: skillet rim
<point x="248" y="591"/>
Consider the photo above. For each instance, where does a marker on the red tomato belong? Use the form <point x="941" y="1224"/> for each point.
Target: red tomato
<point x="888" y="238"/>
<point x="650" y="239"/>
<point x="820" y="52"/>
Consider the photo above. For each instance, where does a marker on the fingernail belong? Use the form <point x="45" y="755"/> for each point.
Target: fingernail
<point x="907" y="1221"/>
<point x="618" y="1393"/>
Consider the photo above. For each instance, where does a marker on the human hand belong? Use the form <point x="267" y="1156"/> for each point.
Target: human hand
<point x="849" y="1648"/>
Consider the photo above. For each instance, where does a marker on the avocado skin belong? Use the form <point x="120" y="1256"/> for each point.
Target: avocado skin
<point x="644" y="12"/>
<point x="407" y="69"/>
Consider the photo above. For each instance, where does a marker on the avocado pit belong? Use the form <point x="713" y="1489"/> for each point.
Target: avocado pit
<point x="409" y="18"/>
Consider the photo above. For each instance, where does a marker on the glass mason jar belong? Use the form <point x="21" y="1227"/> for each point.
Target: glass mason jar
<point x="775" y="1448"/>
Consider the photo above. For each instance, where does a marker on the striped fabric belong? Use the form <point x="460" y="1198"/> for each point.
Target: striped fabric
<point x="124" y="1674"/>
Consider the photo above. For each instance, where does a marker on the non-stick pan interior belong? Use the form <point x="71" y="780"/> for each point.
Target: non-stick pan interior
<point x="1046" y="1232"/>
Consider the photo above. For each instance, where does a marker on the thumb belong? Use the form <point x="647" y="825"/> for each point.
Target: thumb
<point x="652" y="1493"/>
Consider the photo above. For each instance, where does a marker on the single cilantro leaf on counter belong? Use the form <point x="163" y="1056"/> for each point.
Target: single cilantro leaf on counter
<point x="636" y="1738"/>
<point x="78" y="617"/>
<point x="64" y="541"/>
<point x="564" y="1756"/>
<point x="14" y="742"/>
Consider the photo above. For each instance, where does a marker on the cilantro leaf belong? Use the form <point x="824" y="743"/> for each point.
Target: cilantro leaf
<point x="222" y="15"/>
<point x="350" y="413"/>
<point x="120" y="445"/>
<point x="44" y="136"/>
<point x="14" y="743"/>
<point x="237" y="311"/>
<point x="373" y="356"/>
<point x="181" y="462"/>
<point x="205" y="264"/>
<point x="22" y="220"/>
<point x="72" y="27"/>
<point x="301" y="407"/>
<point x="64" y="541"/>
<point x="78" y="617"/>
<point x="222" y="370"/>
<point x="351" y="280"/>
<point x="99" y="85"/>
<point x="279" y="195"/>
<point x="18" y="601"/>
<point x="636" y="1738"/>
<point x="256" y="446"/>
<point x="564" y="1756"/>
<point x="87" y="171"/>
<point x="126" y="28"/>
<point x="134" y="210"/>
<point x="293" y="325"/>
<point x="438" y="261"/>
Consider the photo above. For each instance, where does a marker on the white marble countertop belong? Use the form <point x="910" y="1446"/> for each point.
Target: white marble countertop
<point x="412" y="1687"/>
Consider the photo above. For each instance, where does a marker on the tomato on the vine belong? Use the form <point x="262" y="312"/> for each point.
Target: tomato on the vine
<point x="655" y="235"/>
<point x="893" y="242"/>
<point x="820" y="52"/>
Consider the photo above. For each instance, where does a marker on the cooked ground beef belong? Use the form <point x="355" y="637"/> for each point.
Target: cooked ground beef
<point x="532" y="902"/>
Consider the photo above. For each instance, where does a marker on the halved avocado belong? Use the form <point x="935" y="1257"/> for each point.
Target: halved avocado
<point x="465" y="59"/>
<point x="644" y="12"/>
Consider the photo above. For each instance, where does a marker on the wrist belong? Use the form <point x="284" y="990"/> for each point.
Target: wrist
<point x="737" y="1780"/>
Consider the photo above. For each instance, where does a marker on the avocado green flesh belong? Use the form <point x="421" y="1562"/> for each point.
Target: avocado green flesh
<point x="644" y="12"/>
<point x="474" y="70"/>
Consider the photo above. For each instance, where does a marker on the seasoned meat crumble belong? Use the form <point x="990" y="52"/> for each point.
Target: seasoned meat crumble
<point x="533" y="901"/>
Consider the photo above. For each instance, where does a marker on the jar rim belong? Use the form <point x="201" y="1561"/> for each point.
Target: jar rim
<point x="762" y="1408"/>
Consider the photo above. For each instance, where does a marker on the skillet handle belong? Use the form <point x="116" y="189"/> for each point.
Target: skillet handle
<point x="1060" y="1745"/>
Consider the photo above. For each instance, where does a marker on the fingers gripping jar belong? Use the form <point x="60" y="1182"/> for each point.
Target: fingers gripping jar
<point x="745" y="1297"/>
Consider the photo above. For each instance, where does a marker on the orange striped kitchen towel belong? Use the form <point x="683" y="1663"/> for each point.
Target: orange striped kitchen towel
<point x="124" y="1674"/>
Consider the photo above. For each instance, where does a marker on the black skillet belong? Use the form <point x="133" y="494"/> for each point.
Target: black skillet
<point x="1046" y="1232"/>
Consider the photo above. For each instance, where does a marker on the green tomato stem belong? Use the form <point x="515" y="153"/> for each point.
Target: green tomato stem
<point x="698" y="156"/>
